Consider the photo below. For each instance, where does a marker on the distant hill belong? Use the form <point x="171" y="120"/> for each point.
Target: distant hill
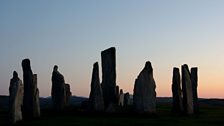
<point x="77" y="101"/>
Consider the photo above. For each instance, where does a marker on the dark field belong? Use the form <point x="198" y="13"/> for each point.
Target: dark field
<point x="208" y="116"/>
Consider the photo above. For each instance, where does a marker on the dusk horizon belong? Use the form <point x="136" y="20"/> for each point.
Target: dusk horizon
<point x="72" y="34"/>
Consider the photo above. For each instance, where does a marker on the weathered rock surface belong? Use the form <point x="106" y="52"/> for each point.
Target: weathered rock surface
<point x="194" y="82"/>
<point x="176" y="91"/>
<point x="187" y="90"/>
<point x="58" y="90"/>
<point x="109" y="76"/>
<point x="68" y="94"/>
<point x="15" y="99"/>
<point x="96" y="102"/>
<point x="36" y="97"/>
<point x="144" y="91"/>
<point x="31" y="93"/>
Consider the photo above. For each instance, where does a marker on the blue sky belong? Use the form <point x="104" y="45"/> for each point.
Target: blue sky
<point x="72" y="34"/>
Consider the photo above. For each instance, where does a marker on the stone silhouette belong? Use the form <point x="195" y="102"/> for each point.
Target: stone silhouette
<point x="58" y="90"/>
<point x="126" y="99"/>
<point x="187" y="90"/>
<point x="15" y="99"/>
<point x="109" y="76"/>
<point x="117" y="93"/>
<point x="96" y="94"/>
<point x="194" y="82"/>
<point x="144" y="91"/>
<point x="68" y="94"/>
<point x="176" y="91"/>
<point x="121" y="98"/>
<point x="36" y="99"/>
<point x="31" y="93"/>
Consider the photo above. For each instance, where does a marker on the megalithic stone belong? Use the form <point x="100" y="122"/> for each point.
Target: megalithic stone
<point x="96" y="94"/>
<point x="126" y="99"/>
<point x="144" y="91"/>
<point x="194" y="82"/>
<point x="36" y="97"/>
<point x="108" y="58"/>
<point x="68" y="94"/>
<point x="117" y="93"/>
<point x="15" y="99"/>
<point x="30" y="91"/>
<point x="58" y="90"/>
<point x="121" y="98"/>
<point x="176" y="91"/>
<point x="187" y="90"/>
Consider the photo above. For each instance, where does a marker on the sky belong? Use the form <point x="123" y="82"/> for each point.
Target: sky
<point x="72" y="34"/>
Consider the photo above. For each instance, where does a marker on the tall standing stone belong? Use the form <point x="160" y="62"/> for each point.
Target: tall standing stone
<point x="194" y="82"/>
<point x="109" y="76"/>
<point x="68" y="94"/>
<point x="15" y="99"/>
<point x="187" y="90"/>
<point x="117" y="93"/>
<point x="31" y="98"/>
<point x="144" y="91"/>
<point x="96" y="94"/>
<point x="176" y="91"/>
<point x="58" y="90"/>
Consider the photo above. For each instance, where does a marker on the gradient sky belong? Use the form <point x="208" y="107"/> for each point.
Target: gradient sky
<point x="73" y="33"/>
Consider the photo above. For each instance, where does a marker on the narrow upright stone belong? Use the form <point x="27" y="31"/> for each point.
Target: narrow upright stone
<point x="36" y="97"/>
<point x="58" y="90"/>
<point x="109" y="76"/>
<point x="15" y="99"/>
<point x="126" y="99"/>
<point x="31" y="98"/>
<point x="121" y="98"/>
<point x="96" y="94"/>
<point x="144" y="91"/>
<point x="187" y="90"/>
<point x="68" y="94"/>
<point x="194" y="82"/>
<point x="176" y="91"/>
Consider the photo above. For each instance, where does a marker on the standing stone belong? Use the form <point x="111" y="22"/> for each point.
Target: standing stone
<point x="121" y="98"/>
<point x="176" y="90"/>
<point x="144" y="91"/>
<point x="117" y="93"/>
<point x="109" y="76"/>
<point x="96" y="94"/>
<point x="194" y="82"/>
<point x="15" y="99"/>
<point x="58" y="90"/>
<point x="36" y="98"/>
<point x="187" y="90"/>
<point x="68" y="94"/>
<point x="126" y="99"/>
<point x="31" y="98"/>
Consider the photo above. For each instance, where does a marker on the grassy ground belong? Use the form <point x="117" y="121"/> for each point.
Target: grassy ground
<point x="209" y="116"/>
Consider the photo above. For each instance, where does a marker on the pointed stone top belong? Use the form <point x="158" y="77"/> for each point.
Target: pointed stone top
<point x="95" y="65"/>
<point x="15" y="74"/>
<point x="148" y="66"/>
<point x="111" y="49"/>
<point x="185" y="66"/>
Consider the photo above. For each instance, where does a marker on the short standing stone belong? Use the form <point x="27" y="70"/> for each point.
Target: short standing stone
<point x="96" y="94"/>
<point x="121" y="98"/>
<point x="144" y="91"/>
<point x="109" y="76"/>
<point x="187" y="90"/>
<point x="58" y="90"/>
<point x="15" y="98"/>
<point x="31" y="94"/>
<point x="117" y="93"/>
<point x="126" y="99"/>
<point x="194" y="82"/>
<point x="176" y="90"/>
<point x="68" y="94"/>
